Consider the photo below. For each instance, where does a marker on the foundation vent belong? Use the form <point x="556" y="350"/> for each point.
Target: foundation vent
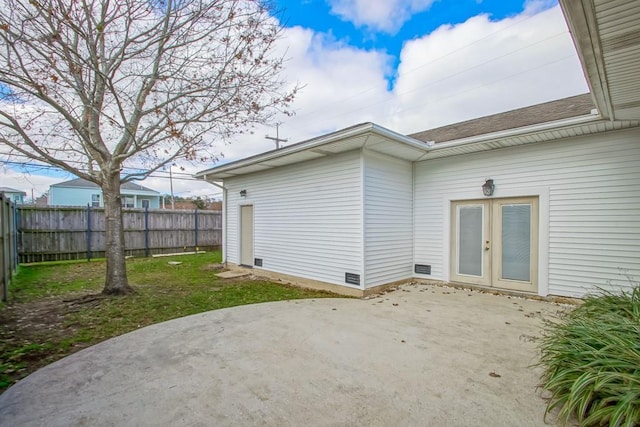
<point x="257" y="262"/>
<point x="353" y="279"/>
<point x="422" y="269"/>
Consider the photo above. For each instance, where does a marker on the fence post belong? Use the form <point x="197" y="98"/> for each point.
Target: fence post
<point x="3" y="270"/>
<point x="196" y="227"/>
<point x="16" y="223"/>
<point x="88" y="232"/>
<point x="146" y="231"/>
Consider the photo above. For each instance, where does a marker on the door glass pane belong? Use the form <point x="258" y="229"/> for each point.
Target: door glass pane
<point x="516" y="242"/>
<point x="470" y="240"/>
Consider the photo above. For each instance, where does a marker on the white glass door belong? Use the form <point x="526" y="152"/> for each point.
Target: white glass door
<point x="470" y="234"/>
<point x="495" y="243"/>
<point x="515" y="249"/>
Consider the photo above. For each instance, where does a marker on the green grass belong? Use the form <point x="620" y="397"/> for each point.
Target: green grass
<point x="591" y="359"/>
<point x="56" y="308"/>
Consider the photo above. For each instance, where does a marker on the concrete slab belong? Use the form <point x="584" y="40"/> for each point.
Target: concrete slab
<point x="232" y="274"/>
<point x="421" y="355"/>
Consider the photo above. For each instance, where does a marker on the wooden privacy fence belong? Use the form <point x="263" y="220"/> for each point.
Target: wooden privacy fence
<point x="52" y="233"/>
<point x="8" y="244"/>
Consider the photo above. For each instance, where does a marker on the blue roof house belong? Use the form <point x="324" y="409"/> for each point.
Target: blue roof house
<point x="16" y="196"/>
<point x="80" y="192"/>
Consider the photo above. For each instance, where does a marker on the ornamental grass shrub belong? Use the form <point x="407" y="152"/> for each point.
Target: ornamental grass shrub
<point x="591" y="361"/>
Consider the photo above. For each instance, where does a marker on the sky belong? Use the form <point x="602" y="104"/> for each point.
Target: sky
<point x="408" y="65"/>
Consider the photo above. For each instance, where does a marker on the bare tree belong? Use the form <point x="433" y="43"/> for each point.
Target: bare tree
<point x="96" y="86"/>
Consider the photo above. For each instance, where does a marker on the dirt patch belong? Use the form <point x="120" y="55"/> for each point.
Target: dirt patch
<point x="213" y="267"/>
<point x="34" y="334"/>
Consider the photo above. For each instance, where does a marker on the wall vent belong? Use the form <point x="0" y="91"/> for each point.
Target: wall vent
<point x="422" y="269"/>
<point x="353" y="279"/>
<point x="257" y="262"/>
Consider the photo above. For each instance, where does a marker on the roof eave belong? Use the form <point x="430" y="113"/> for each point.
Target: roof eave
<point x="311" y="144"/>
<point x="540" y="127"/>
<point x="581" y="18"/>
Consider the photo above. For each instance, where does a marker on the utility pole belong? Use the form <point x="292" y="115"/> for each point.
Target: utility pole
<point x="173" y="203"/>
<point x="277" y="139"/>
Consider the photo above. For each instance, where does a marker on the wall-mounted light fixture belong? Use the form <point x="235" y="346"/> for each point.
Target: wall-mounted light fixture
<point x="243" y="193"/>
<point x="488" y="187"/>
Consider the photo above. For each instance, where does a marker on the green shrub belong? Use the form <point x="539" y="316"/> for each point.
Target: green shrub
<point x="591" y="361"/>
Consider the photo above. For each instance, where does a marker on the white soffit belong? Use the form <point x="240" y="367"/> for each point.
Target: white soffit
<point x="366" y="135"/>
<point x="524" y="136"/>
<point x="607" y="36"/>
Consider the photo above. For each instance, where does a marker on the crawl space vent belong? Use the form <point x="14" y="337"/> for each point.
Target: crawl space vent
<point x="422" y="269"/>
<point x="257" y="262"/>
<point x="353" y="279"/>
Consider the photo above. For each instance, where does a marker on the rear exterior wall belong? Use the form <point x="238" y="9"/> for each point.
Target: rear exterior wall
<point x="589" y="189"/>
<point x="307" y="218"/>
<point x="388" y="219"/>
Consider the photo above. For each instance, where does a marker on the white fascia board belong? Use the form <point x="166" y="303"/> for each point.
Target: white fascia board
<point x="350" y="132"/>
<point x="580" y="16"/>
<point x="509" y="133"/>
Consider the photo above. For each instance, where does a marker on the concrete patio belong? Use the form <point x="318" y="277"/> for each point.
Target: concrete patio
<point x="421" y="355"/>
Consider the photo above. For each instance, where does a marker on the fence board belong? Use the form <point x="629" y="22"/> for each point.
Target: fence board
<point x="8" y="245"/>
<point x="50" y="233"/>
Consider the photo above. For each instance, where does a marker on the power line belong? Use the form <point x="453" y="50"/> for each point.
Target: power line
<point x="57" y="168"/>
<point x="78" y="162"/>
<point x="411" y="70"/>
<point x="462" y="71"/>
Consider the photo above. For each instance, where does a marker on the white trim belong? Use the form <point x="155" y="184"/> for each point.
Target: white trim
<point x="543" y="227"/>
<point x="224" y="224"/>
<point x="540" y="127"/>
<point x="363" y="236"/>
<point x="354" y="131"/>
<point x="246" y="202"/>
<point x="413" y="218"/>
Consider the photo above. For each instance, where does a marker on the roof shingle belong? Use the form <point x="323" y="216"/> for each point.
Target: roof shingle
<point x="573" y="106"/>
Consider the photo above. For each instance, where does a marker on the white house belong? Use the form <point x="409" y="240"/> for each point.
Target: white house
<point x="542" y="200"/>
<point x="80" y="192"/>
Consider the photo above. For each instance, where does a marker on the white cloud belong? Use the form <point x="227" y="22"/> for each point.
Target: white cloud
<point x="382" y="15"/>
<point x="482" y="67"/>
<point x="38" y="182"/>
<point x="456" y="73"/>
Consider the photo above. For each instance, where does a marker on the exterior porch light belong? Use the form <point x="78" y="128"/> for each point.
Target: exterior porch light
<point x="243" y="193"/>
<point x="488" y="187"/>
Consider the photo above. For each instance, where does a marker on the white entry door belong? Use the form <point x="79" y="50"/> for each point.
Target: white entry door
<point x="495" y="243"/>
<point x="246" y="235"/>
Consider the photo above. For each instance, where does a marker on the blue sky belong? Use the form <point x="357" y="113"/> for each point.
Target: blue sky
<point x="319" y="16"/>
<point x="408" y="65"/>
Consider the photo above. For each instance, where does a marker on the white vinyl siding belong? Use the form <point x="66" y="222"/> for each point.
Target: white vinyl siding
<point x="307" y="217"/>
<point x="388" y="219"/>
<point x="593" y="185"/>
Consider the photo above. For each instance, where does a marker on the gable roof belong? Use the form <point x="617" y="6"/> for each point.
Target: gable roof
<point x="573" y="106"/>
<point x="83" y="183"/>
<point x="11" y="190"/>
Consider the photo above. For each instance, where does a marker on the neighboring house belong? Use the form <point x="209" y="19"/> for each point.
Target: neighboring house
<point x="43" y="199"/>
<point x="80" y="192"/>
<point x="16" y="196"/>
<point x="542" y="200"/>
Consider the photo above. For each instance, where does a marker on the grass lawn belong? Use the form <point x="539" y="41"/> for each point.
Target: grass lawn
<point x="56" y="309"/>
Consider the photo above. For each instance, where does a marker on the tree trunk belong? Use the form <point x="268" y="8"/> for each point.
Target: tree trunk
<point x="116" y="282"/>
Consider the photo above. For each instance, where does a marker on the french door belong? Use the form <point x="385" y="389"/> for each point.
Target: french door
<point x="495" y="243"/>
